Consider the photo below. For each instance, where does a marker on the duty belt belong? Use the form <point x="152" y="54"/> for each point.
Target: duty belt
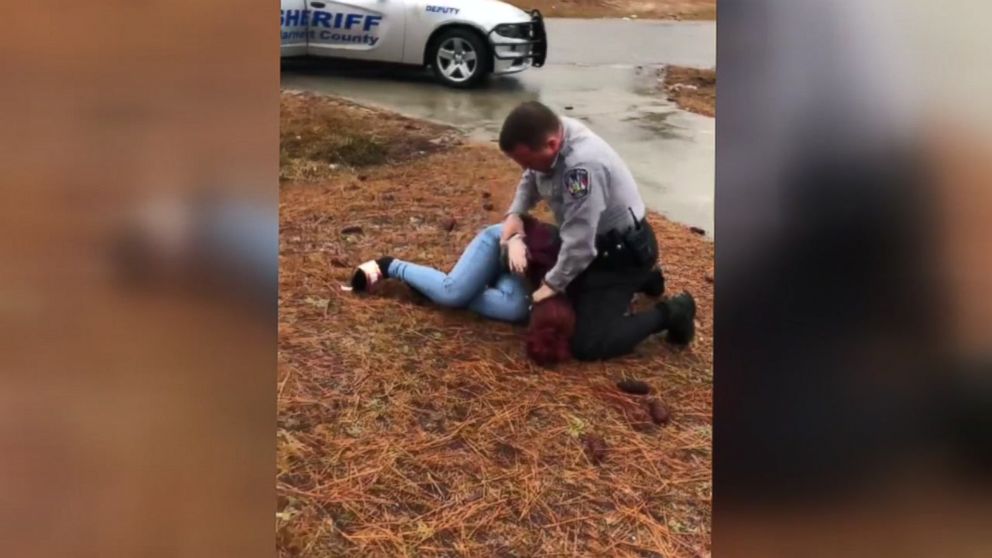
<point x="634" y="247"/>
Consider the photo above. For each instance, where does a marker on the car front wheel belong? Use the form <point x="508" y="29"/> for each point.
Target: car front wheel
<point x="460" y="58"/>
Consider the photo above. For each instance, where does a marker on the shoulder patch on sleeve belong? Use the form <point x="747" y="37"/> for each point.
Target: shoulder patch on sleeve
<point x="577" y="182"/>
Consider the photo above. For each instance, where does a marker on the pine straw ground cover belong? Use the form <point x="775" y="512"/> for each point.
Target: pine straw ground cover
<point x="648" y="9"/>
<point x="408" y="430"/>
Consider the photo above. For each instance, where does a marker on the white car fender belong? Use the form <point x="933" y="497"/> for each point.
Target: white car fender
<point x="427" y="16"/>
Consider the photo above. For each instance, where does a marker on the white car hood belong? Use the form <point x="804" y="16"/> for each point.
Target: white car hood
<point x="488" y="13"/>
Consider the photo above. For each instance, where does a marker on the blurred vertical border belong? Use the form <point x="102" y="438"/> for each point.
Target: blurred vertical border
<point x="853" y="327"/>
<point x="138" y="286"/>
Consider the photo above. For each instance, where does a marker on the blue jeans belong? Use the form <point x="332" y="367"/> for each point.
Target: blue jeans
<point x="477" y="281"/>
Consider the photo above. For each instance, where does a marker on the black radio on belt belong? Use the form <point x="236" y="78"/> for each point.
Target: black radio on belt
<point x="634" y="247"/>
<point x="641" y="242"/>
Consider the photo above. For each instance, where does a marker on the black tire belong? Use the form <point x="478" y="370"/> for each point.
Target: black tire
<point x="443" y="68"/>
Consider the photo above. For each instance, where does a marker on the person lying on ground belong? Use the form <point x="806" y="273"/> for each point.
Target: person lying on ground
<point x="478" y="281"/>
<point x="483" y="280"/>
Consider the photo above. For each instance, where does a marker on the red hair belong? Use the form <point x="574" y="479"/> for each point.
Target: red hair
<point x="552" y="323"/>
<point x="543" y="244"/>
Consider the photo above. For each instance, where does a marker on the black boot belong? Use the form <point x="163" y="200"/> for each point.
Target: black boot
<point x="679" y="318"/>
<point x="369" y="273"/>
<point x="384" y="263"/>
<point x="654" y="285"/>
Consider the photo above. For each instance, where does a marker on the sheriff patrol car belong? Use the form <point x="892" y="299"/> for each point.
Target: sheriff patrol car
<point x="460" y="40"/>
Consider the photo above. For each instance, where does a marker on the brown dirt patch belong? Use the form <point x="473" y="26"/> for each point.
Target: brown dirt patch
<point x="693" y="89"/>
<point x="407" y="429"/>
<point x="648" y="9"/>
<point x="315" y="138"/>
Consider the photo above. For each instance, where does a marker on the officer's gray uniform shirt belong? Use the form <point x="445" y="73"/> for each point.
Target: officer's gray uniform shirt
<point x="590" y="191"/>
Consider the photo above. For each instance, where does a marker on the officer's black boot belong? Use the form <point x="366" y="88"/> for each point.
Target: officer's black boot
<point x="654" y="285"/>
<point x="679" y="318"/>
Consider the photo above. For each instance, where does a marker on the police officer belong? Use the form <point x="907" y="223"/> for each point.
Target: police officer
<point x="608" y="248"/>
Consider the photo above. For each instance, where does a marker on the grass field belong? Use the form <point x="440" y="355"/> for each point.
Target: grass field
<point x="407" y="430"/>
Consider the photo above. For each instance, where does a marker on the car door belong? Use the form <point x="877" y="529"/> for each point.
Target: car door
<point x="361" y="29"/>
<point x="293" y="20"/>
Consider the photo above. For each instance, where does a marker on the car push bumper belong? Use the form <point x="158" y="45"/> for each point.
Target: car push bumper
<point x="517" y="46"/>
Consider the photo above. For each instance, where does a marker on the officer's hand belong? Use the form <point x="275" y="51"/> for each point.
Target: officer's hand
<point x="542" y="293"/>
<point x="517" y="255"/>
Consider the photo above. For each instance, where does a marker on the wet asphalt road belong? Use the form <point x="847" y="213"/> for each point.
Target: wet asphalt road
<point x="603" y="72"/>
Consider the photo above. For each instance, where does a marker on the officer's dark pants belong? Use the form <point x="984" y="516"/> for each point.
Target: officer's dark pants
<point x="601" y="296"/>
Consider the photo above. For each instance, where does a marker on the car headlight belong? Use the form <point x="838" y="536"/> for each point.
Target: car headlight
<point x="514" y="30"/>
